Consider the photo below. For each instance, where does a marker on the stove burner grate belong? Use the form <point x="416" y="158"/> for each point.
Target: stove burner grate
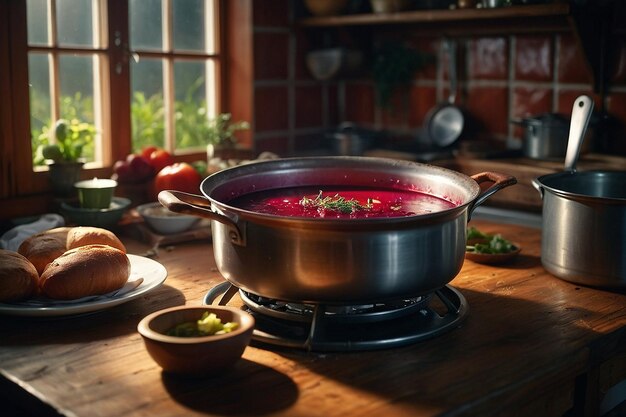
<point x="322" y="327"/>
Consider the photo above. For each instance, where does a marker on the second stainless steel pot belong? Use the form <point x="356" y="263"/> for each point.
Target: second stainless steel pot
<point x="545" y="136"/>
<point x="584" y="217"/>
<point x="337" y="260"/>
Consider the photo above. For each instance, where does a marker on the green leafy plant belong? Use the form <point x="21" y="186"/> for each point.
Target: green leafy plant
<point x="394" y="67"/>
<point x="195" y="128"/>
<point x="74" y="109"/>
<point x="148" y="120"/>
<point x="221" y="130"/>
<point x="64" y="142"/>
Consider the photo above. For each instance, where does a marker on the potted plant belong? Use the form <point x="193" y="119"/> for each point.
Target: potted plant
<point x="61" y="148"/>
<point x="220" y="135"/>
<point x="393" y="68"/>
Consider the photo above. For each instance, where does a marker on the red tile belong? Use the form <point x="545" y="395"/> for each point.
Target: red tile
<point x="567" y="98"/>
<point x="531" y="101"/>
<point x="271" y="108"/>
<point x="271" y="56"/>
<point x="271" y="13"/>
<point x="488" y="58"/>
<point x="488" y="107"/>
<point x="422" y="101"/>
<point x="573" y="67"/>
<point x="308" y="106"/>
<point x="360" y="103"/>
<point x="533" y="58"/>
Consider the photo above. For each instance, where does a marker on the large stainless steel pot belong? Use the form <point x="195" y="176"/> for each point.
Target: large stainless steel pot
<point x="337" y="260"/>
<point x="584" y="216"/>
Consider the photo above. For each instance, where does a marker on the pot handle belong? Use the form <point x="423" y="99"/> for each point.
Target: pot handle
<point x="499" y="180"/>
<point x="538" y="186"/>
<point x="197" y="205"/>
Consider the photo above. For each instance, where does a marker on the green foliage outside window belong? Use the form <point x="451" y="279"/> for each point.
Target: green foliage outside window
<point x="147" y="121"/>
<point x="194" y="129"/>
<point x="77" y="142"/>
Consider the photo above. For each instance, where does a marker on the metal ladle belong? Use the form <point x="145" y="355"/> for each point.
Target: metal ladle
<point x="581" y="113"/>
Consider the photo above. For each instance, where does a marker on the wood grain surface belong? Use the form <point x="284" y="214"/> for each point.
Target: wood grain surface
<point x="531" y="345"/>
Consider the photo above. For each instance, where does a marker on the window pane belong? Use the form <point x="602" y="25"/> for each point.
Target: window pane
<point x="74" y="22"/>
<point x="188" y="18"/>
<point x="147" y="110"/>
<point x="37" y="22"/>
<point x="146" y="23"/>
<point x="40" y="103"/>
<point x="39" y="81"/>
<point x="191" y="109"/>
<point x="173" y="98"/>
<point x="77" y="83"/>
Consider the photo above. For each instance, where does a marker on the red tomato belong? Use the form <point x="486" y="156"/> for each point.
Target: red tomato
<point x="160" y="158"/>
<point x="145" y="152"/>
<point x="179" y="177"/>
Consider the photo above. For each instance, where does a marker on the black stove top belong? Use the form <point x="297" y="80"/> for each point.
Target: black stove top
<point x="323" y="327"/>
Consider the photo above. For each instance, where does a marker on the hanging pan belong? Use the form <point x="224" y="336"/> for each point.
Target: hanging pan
<point x="444" y="123"/>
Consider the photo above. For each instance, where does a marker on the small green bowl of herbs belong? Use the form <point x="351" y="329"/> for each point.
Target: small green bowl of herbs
<point x="489" y="248"/>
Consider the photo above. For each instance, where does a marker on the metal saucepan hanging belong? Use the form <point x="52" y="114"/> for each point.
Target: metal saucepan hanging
<point x="444" y="123"/>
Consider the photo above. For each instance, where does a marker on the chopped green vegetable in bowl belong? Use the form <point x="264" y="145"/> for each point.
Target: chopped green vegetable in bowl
<point x="196" y="353"/>
<point x="209" y="324"/>
<point x="479" y="242"/>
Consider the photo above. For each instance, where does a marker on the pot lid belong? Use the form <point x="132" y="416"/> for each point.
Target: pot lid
<point x="547" y="118"/>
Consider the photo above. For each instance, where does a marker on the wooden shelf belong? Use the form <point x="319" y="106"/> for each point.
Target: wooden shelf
<point x="588" y="22"/>
<point x="554" y="17"/>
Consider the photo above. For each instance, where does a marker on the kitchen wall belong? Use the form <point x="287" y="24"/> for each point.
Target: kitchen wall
<point x="501" y="77"/>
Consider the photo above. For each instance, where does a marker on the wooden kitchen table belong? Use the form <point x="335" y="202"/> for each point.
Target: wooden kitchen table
<point x="531" y="345"/>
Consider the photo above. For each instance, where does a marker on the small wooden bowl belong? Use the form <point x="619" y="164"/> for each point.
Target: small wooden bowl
<point x="491" y="258"/>
<point x="195" y="356"/>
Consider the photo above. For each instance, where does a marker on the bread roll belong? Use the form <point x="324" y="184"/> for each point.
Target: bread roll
<point x="18" y="277"/>
<point x="84" y="235"/>
<point x="86" y="270"/>
<point x="43" y="248"/>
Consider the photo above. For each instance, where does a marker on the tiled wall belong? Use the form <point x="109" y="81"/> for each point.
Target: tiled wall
<point x="500" y="78"/>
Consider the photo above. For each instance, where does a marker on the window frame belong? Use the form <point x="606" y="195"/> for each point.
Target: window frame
<point x="18" y="181"/>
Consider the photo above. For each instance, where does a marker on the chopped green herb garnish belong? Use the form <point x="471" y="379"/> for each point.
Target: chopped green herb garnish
<point x="335" y="203"/>
<point x="490" y="244"/>
<point x="209" y="324"/>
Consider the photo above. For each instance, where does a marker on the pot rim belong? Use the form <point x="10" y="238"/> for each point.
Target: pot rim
<point x="375" y="164"/>
<point x="576" y="195"/>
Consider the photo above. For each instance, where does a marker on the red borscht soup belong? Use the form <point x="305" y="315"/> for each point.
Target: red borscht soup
<point x="341" y="202"/>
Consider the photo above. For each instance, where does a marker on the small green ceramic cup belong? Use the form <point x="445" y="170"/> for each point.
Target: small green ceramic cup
<point x="95" y="193"/>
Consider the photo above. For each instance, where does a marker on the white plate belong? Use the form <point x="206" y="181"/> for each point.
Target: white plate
<point x="152" y="273"/>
